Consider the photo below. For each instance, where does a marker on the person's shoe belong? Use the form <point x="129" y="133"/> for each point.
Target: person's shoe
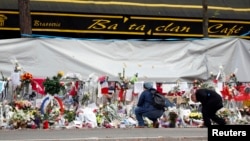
<point x="156" y="124"/>
<point x="139" y="126"/>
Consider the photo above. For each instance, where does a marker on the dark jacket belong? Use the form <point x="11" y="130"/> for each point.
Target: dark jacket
<point x="145" y="100"/>
<point x="208" y="97"/>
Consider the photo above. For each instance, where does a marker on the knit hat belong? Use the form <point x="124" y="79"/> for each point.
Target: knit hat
<point x="147" y="85"/>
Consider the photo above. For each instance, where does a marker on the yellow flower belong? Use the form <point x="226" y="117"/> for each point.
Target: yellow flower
<point x="60" y="73"/>
<point x="195" y="115"/>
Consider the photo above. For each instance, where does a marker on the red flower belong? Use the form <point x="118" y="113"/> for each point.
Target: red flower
<point x="27" y="77"/>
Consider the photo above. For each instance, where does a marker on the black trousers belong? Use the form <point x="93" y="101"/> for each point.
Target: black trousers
<point x="209" y="112"/>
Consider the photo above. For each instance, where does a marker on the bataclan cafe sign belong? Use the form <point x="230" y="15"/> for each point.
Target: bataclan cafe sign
<point x="141" y="26"/>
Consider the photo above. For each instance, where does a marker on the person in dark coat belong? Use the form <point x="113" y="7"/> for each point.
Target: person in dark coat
<point x="211" y="102"/>
<point x="146" y="109"/>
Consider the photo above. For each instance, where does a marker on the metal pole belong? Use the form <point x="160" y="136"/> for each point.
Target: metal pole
<point x="24" y="17"/>
<point x="205" y="19"/>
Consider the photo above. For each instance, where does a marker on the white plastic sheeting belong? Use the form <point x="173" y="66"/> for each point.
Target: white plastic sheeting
<point x="163" y="61"/>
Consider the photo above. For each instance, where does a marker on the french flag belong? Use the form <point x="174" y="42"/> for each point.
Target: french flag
<point x="104" y="87"/>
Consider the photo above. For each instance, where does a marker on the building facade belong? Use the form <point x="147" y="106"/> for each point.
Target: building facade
<point x="130" y="19"/>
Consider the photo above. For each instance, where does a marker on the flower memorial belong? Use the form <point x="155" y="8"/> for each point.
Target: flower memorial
<point x="75" y="103"/>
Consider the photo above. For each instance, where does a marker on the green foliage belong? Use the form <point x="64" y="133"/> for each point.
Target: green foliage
<point x="85" y="98"/>
<point x="69" y="115"/>
<point x="52" y="85"/>
<point x="45" y="116"/>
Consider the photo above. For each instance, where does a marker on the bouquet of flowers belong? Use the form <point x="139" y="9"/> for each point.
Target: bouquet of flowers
<point x="52" y="112"/>
<point x="69" y="115"/>
<point x="22" y="104"/>
<point x="195" y="115"/>
<point x="224" y="112"/>
<point x="52" y="85"/>
<point x="85" y="98"/>
<point x="20" y="118"/>
<point x="26" y="78"/>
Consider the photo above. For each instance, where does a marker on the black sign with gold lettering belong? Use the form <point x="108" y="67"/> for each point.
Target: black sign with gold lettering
<point x="118" y="26"/>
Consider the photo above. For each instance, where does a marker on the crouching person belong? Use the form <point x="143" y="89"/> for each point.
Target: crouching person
<point x="146" y="109"/>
